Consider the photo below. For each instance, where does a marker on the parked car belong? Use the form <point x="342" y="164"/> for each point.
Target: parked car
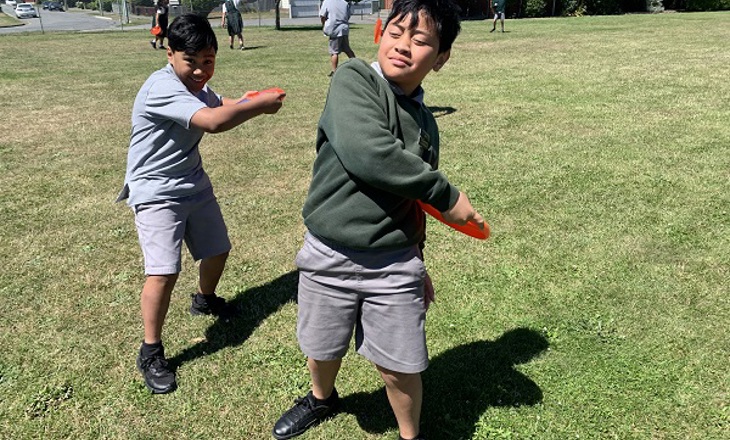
<point x="11" y="3"/>
<point x="53" y="6"/>
<point x="25" y="10"/>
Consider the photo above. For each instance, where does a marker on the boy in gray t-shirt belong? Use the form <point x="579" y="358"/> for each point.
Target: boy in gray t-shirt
<point x="166" y="186"/>
<point x="335" y="16"/>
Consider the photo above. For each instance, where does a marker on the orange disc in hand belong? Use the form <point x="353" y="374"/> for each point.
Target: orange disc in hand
<point x="471" y="228"/>
<point x="255" y="94"/>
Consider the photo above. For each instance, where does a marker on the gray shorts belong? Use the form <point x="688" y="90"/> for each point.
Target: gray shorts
<point x="162" y="226"/>
<point x="378" y="294"/>
<point x="339" y="45"/>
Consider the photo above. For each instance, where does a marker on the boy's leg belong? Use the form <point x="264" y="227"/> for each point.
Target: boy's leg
<point x="334" y="59"/>
<point x="324" y="374"/>
<point x="316" y="406"/>
<point x="155" y="300"/>
<point x="210" y="272"/>
<point x="206" y="236"/>
<point x="151" y="362"/>
<point x="206" y="302"/>
<point x="405" y="394"/>
<point x="346" y="47"/>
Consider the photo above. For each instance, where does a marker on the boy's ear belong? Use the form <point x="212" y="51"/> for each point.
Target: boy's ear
<point x="169" y="53"/>
<point x="441" y="59"/>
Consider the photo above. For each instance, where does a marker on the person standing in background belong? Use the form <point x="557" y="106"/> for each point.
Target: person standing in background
<point x="335" y="16"/>
<point x="162" y="13"/>
<point x="498" y="11"/>
<point x="233" y="21"/>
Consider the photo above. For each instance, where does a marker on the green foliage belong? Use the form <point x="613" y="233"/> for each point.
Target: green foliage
<point x="544" y="8"/>
<point x="203" y="7"/>
<point x="706" y="5"/>
<point x="537" y="8"/>
<point x="94" y="4"/>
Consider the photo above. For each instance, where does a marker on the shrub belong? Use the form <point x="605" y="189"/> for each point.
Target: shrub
<point x="537" y="8"/>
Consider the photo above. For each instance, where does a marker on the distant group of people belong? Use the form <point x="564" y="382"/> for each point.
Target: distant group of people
<point x="231" y="19"/>
<point x="361" y="265"/>
<point x="334" y="14"/>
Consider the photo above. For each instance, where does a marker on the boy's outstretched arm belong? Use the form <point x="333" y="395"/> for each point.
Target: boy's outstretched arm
<point x="462" y="212"/>
<point x="231" y="114"/>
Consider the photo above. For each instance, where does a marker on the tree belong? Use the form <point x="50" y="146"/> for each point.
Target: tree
<point x="202" y="7"/>
<point x="278" y="16"/>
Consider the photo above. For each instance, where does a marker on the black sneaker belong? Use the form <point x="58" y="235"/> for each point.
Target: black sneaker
<point x="153" y="44"/>
<point x="210" y="305"/>
<point x="304" y="414"/>
<point x="157" y="375"/>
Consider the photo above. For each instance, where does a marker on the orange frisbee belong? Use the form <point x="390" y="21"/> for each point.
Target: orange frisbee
<point x="378" y="30"/>
<point x="255" y="94"/>
<point x="471" y="229"/>
<point x="156" y="31"/>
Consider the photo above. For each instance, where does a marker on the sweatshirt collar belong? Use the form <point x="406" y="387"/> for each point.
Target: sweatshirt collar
<point x="417" y="94"/>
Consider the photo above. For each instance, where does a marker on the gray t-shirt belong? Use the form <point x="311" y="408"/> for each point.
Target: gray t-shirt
<point x="337" y="13"/>
<point x="163" y="161"/>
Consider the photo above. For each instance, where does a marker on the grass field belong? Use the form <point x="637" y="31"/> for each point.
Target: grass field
<point x="597" y="148"/>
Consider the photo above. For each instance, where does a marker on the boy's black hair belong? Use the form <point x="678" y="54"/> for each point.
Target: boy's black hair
<point x="443" y="13"/>
<point x="191" y="33"/>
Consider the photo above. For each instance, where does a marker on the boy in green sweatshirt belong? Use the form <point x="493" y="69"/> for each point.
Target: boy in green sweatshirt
<point x="361" y="266"/>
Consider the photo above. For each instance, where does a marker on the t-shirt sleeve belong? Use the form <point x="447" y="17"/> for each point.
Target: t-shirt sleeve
<point x="168" y="99"/>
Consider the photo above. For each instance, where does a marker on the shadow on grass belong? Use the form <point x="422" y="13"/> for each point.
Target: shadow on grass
<point x="441" y="111"/>
<point x="460" y="384"/>
<point x="254" y="305"/>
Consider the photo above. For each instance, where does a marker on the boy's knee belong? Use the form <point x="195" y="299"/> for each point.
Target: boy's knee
<point x="396" y="379"/>
<point x="220" y="258"/>
<point x="162" y="279"/>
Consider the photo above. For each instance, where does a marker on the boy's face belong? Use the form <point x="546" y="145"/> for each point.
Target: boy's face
<point x="194" y="70"/>
<point x="407" y="55"/>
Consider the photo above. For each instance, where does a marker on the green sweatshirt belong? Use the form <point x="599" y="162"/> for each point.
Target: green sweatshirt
<point x="377" y="153"/>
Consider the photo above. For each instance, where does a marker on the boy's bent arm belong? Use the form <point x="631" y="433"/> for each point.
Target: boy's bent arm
<point x="232" y="114"/>
<point x="357" y="128"/>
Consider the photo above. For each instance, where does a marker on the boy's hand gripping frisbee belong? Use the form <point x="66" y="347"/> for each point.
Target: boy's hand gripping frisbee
<point x="252" y="95"/>
<point x="471" y="229"/>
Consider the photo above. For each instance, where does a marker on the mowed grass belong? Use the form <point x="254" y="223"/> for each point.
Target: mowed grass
<point x="597" y="148"/>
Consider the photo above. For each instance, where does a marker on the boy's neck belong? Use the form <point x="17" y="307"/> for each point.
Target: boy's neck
<point x="416" y="95"/>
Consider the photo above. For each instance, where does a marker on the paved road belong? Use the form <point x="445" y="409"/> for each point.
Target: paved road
<point x="77" y="20"/>
<point x="61" y="21"/>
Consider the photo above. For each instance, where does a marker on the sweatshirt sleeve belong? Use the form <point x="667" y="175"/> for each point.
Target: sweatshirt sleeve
<point x="358" y="126"/>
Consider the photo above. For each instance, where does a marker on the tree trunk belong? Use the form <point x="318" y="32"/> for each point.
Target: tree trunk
<point x="278" y="15"/>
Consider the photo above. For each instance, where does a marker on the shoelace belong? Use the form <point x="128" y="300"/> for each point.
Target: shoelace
<point x="155" y="363"/>
<point x="302" y="404"/>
